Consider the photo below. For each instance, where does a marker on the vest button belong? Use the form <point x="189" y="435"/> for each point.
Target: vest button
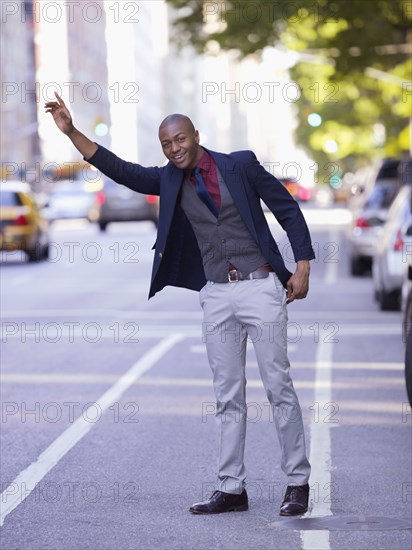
<point x="223" y="240"/>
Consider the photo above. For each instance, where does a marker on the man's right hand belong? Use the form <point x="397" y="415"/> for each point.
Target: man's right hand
<point x="63" y="120"/>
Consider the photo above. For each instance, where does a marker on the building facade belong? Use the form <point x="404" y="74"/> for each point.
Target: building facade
<point x="19" y="139"/>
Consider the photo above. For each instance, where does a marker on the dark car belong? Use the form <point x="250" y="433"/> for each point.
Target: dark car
<point x="406" y="296"/>
<point x="407" y="327"/>
<point x="117" y="203"/>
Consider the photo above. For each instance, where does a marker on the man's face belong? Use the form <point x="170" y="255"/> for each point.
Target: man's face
<point x="180" y="144"/>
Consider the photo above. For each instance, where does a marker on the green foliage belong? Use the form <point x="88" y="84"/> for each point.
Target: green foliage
<point x="338" y="42"/>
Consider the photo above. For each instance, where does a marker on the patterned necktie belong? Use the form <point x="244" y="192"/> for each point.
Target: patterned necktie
<point x="203" y="194"/>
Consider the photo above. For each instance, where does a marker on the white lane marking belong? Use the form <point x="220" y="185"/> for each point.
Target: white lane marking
<point x="135" y="314"/>
<point x="357" y="365"/>
<point x="31" y="476"/>
<point x="331" y="260"/>
<point x="379" y="406"/>
<point x="327" y="216"/>
<point x="320" y="449"/>
<point x="92" y="331"/>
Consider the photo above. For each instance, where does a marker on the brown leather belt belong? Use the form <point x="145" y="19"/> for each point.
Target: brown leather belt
<point x="262" y="272"/>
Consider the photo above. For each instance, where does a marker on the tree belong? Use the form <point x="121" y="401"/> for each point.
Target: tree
<point x="354" y="69"/>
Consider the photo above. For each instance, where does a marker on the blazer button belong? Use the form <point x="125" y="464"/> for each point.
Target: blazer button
<point x="160" y="254"/>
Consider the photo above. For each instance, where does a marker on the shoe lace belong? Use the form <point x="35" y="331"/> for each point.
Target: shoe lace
<point x="294" y="492"/>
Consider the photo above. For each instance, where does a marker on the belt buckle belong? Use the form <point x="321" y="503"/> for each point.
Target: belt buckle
<point x="236" y="275"/>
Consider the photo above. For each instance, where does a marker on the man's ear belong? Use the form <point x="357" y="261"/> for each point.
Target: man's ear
<point x="197" y="137"/>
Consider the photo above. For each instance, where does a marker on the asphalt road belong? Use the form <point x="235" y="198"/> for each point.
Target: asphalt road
<point x="107" y="431"/>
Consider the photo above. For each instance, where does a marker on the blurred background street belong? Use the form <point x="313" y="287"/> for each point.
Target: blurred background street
<point x="107" y="433"/>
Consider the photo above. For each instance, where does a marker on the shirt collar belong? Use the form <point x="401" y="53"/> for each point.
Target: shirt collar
<point x="205" y="163"/>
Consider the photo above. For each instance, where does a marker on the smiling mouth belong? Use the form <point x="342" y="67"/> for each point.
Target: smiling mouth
<point x="179" y="158"/>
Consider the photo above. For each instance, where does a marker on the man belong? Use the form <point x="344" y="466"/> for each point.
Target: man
<point x="213" y="237"/>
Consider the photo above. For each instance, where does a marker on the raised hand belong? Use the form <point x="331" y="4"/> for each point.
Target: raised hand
<point x="60" y="114"/>
<point x="64" y="122"/>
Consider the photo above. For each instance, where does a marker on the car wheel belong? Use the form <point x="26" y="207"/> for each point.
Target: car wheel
<point x="408" y="364"/>
<point x="35" y="254"/>
<point x="46" y="252"/>
<point x="389" y="301"/>
<point x="103" y="226"/>
<point x="357" y="266"/>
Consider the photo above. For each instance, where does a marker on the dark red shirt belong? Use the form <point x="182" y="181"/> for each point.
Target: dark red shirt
<point x="208" y="172"/>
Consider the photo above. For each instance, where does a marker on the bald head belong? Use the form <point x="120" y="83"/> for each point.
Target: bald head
<point x="176" y="117"/>
<point x="180" y="141"/>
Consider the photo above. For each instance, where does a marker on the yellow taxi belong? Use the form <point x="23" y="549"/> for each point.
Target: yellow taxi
<point x="22" y="227"/>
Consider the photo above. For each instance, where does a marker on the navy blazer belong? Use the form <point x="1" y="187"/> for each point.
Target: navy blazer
<point x="177" y="260"/>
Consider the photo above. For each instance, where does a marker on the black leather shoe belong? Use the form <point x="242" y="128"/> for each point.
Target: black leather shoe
<point x="295" y="501"/>
<point x="221" y="502"/>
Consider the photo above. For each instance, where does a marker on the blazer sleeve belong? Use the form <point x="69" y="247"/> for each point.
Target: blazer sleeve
<point x="283" y="206"/>
<point x="132" y="175"/>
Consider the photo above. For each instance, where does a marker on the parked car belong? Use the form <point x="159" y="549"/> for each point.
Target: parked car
<point x="370" y="214"/>
<point x="117" y="203"/>
<point x="407" y="323"/>
<point x="22" y="226"/>
<point x="390" y="253"/>
<point x="70" y="200"/>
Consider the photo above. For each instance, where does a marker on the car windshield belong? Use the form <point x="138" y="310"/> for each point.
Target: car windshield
<point x="388" y="170"/>
<point x="382" y="195"/>
<point x="9" y="198"/>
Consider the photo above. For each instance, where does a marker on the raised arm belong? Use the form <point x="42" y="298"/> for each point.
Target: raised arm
<point x="136" y="177"/>
<point x="64" y="122"/>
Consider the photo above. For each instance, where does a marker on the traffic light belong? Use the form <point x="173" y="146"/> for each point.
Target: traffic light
<point x="314" y="120"/>
<point x="100" y="128"/>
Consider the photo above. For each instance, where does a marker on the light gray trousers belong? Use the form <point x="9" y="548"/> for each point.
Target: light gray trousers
<point x="232" y="314"/>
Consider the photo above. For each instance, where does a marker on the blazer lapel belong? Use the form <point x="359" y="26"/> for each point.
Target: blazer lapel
<point x="172" y="180"/>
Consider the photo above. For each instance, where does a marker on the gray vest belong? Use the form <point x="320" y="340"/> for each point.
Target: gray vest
<point x="222" y="241"/>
